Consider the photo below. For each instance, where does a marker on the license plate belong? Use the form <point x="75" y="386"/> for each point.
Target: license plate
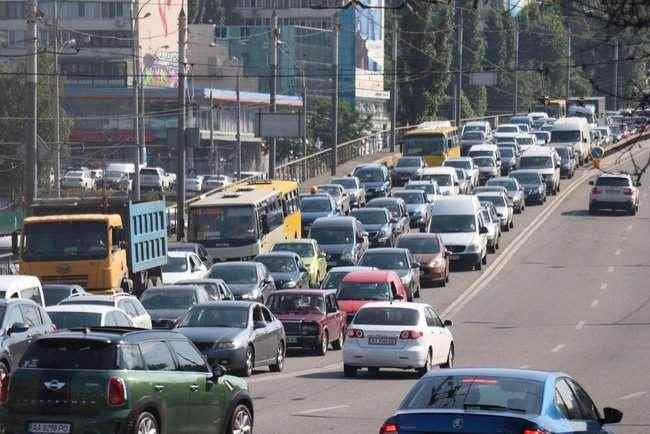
<point x="454" y="257"/>
<point x="611" y="191"/>
<point x="382" y="340"/>
<point x="49" y="428"/>
<point x="292" y="339"/>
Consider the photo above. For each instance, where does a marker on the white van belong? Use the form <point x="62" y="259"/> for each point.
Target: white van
<point x="547" y="162"/>
<point x="460" y="224"/>
<point x="482" y="126"/>
<point x="28" y="287"/>
<point x="445" y="177"/>
<point x="574" y="132"/>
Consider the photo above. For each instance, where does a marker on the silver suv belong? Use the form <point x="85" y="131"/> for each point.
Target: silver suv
<point x="614" y="191"/>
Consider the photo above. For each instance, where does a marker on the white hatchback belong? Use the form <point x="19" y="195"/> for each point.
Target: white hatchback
<point x="127" y="303"/>
<point x="87" y="315"/>
<point x="182" y="266"/>
<point x="397" y="335"/>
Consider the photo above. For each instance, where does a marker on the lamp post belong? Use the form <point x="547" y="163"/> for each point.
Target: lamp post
<point x="235" y="62"/>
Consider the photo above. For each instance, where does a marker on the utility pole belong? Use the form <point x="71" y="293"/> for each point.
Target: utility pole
<point x="213" y="160"/>
<point x="136" y="104"/>
<point x="57" y="98"/>
<point x="142" y="130"/>
<point x="274" y="86"/>
<point x="303" y="133"/>
<point x="568" y="62"/>
<point x="393" y="126"/>
<point x="459" y="106"/>
<point x="515" y="107"/>
<point x="335" y="93"/>
<point x="31" y="167"/>
<point x="180" y="141"/>
<point x="238" y="87"/>
<point x="616" y="75"/>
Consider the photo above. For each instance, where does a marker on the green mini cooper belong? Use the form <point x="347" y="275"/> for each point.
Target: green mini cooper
<point x="122" y="381"/>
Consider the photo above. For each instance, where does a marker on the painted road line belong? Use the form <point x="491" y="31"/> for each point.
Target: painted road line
<point x="603" y="286"/>
<point x="633" y="395"/>
<point x="629" y="228"/>
<point x="558" y="348"/>
<point x="332" y="367"/>
<point x="525" y="367"/>
<point x="580" y="325"/>
<point x="594" y="303"/>
<point x="318" y="410"/>
<point x="610" y="269"/>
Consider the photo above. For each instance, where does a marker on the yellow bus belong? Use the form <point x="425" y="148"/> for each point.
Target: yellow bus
<point x="434" y="141"/>
<point x="289" y="198"/>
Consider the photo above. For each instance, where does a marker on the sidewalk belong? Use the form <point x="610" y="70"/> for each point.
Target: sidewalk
<point x="345" y="168"/>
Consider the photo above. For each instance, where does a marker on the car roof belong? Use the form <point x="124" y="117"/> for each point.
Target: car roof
<point x="483" y="147"/>
<point x="278" y="253"/>
<point x="409" y="305"/>
<point x="385" y="200"/>
<point x="369" y="276"/>
<point x="370" y="165"/>
<point x="336" y="221"/>
<point x="308" y="291"/>
<point x="500" y="179"/>
<point x="179" y="253"/>
<point x="297" y="241"/>
<point x="524" y="171"/>
<point x="180" y="244"/>
<point x="418" y="235"/>
<point x="524" y="374"/>
<point x="236" y="264"/>
<point x="174" y="287"/>
<point x="236" y="303"/>
<point x="47" y="286"/>
<point x="370" y="208"/>
<point x="112" y="334"/>
<point x="439" y="169"/>
<point x="350" y="268"/>
<point x="13" y="282"/>
<point x="199" y="281"/>
<point x="459" y="159"/>
<point x="86" y="308"/>
<point x="98" y="297"/>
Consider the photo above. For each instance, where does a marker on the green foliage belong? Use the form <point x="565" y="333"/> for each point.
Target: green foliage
<point x="352" y="124"/>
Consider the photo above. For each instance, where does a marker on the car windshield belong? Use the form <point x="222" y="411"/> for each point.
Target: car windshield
<point x="390" y="205"/>
<point x="385" y="260"/>
<point x="422" y="245"/>
<point x="216" y="316"/>
<point x="371" y="217"/>
<point x="278" y="264"/>
<point x="304" y="250"/>
<point x="427" y="188"/>
<point x="175" y="264"/>
<point x="564" y="152"/>
<point x="410" y="198"/>
<point x="460" y="164"/>
<point x="558" y="136"/>
<point x="333" y="191"/>
<point x="387" y="316"/>
<point x="510" y="185"/>
<point x="316" y="204"/>
<point x="332" y="235"/>
<point x="345" y="182"/>
<point x="222" y="223"/>
<point x="149" y="172"/>
<point x="527" y="178"/>
<point x="409" y="162"/>
<point x="541" y="162"/>
<point x="506" y="152"/>
<point x="65" y="241"/>
<point x="71" y="354"/>
<point x="364" y="291"/>
<point x="473" y="136"/>
<point x="54" y="295"/>
<point x="442" y="179"/>
<point x="333" y="279"/>
<point x="468" y="128"/>
<point x="525" y="140"/>
<point x="234" y="274"/>
<point x="507" y="129"/>
<point x="369" y="174"/>
<point x="495" y="200"/>
<point x="281" y="303"/>
<point x="463" y="392"/>
<point x="612" y="181"/>
<point x="453" y="223"/>
<point x="484" y="161"/>
<point x="66" y="320"/>
<point x="168" y="299"/>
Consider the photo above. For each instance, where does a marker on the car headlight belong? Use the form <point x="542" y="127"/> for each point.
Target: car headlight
<point x="225" y="345"/>
<point x="310" y="329"/>
<point x="290" y="284"/>
<point x="438" y="262"/>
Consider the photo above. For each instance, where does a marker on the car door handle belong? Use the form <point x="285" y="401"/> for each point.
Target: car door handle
<point x="194" y="388"/>
<point x="159" y="388"/>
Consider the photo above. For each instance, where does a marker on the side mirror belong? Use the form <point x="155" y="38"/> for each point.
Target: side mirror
<point x="591" y="182"/>
<point x="483" y="230"/>
<point x="611" y="415"/>
<point x="17" y="328"/>
<point x="448" y="323"/>
<point x="303" y="269"/>
<point x="259" y="325"/>
<point x="268" y="279"/>
<point x="218" y="371"/>
<point x="364" y="234"/>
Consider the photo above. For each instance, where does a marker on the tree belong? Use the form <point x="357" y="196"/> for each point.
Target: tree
<point x="352" y="124"/>
<point x="474" y="61"/>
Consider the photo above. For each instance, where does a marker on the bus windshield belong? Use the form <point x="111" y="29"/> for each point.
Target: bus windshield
<point x="223" y="223"/>
<point x="425" y="145"/>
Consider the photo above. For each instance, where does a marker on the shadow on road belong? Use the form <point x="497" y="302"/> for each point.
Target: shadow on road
<point x="363" y="375"/>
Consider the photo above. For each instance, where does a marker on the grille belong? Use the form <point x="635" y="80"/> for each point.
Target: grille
<point x="292" y="327"/>
<point x="203" y="346"/>
<point x="455" y="249"/>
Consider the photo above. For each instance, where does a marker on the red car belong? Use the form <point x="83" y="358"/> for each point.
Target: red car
<point x="311" y="318"/>
<point x="361" y="287"/>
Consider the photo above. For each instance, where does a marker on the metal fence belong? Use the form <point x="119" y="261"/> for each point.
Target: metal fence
<point x="6" y="264"/>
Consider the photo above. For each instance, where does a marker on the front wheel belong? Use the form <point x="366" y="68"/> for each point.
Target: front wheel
<point x="241" y="421"/>
<point x="146" y="424"/>
<point x="324" y="343"/>
<point x="278" y="366"/>
<point x="450" y="359"/>
<point x="249" y="362"/>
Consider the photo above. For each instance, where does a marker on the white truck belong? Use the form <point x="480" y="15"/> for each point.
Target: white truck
<point x="574" y="132"/>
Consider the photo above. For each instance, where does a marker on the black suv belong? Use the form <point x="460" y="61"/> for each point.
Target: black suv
<point x="22" y="321"/>
<point x="121" y="380"/>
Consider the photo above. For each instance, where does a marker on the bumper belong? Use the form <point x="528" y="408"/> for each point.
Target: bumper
<point x="626" y="205"/>
<point x="112" y="423"/>
<point x="533" y="196"/>
<point x="465" y="258"/>
<point x="233" y="359"/>
<point x="299" y="341"/>
<point x="566" y="171"/>
<point x="416" y="222"/>
<point x="434" y="274"/>
<point x="380" y="357"/>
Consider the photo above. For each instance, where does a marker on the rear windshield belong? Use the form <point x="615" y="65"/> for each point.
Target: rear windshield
<point x="613" y="182"/>
<point x="66" y="320"/>
<point x="55" y="295"/>
<point x="70" y="354"/>
<point x="460" y="392"/>
<point x="388" y="316"/>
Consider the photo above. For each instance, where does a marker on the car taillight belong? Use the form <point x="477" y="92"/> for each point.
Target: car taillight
<point x="389" y="428"/>
<point x="534" y="431"/>
<point x="116" y="392"/>
<point x="4" y="388"/>
<point x="627" y="191"/>
<point x="410" y="334"/>
<point x="355" y="333"/>
<point x="596" y="190"/>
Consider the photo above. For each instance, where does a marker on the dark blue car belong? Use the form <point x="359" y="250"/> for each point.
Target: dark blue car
<point x="505" y="401"/>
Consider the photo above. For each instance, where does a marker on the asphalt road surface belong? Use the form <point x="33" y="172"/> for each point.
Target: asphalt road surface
<point x="566" y="291"/>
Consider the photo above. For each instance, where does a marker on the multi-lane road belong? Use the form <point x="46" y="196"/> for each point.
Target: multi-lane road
<point x="566" y="291"/>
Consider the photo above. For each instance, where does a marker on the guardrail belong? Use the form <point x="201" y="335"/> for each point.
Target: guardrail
<point x="628" y="141"/>
<point x="6" y="264"/>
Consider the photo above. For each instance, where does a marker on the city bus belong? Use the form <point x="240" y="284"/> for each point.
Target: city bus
<point x="434" y="141"/>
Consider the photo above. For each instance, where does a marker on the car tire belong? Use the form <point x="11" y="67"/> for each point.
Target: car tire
<point x="427" y="365"/>
<point x="479" y="265"/>
<point x="146" y="423"/>
<point x="338" y="344"/>
<point x="349" y="371"/>
<point x="447" y="276"/>
<point x="484" y="260"/>
<point x="450" y="358"/>
<point x="491" y="249"/>
<point x="373" y="371"/>
<point x="249" y="362"/>
<point x="4" y="369"/>
<point x="278" y="366"/>
<point x="241" y="420"/>
<point x="321" y="350"/>
<point x="417" y="293"/>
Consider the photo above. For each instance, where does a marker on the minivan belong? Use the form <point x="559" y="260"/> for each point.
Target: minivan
<point x="343" y="239"/>
<point x="28" y="287"/>
<point x="459" y="222"/>
<point x="574" y="132"/>
<point x="547" y="162"/>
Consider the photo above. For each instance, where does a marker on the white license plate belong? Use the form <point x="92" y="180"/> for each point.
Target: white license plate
<point x="454" y="257"/>
<point x="382" y="340"/>
<point x="611" y="191"/>
<point x="292" y="339"/>
<point x="49" y="428"/>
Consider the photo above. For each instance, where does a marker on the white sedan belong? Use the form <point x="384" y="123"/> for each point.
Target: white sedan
<point x="397" y="335"/>
<point x="182" y="266"/>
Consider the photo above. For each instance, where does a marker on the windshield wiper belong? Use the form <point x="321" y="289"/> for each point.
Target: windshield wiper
<point x="493" y="407"/>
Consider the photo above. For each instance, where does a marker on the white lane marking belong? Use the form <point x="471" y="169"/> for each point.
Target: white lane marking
<point x="272" y="377"/>
<point x="617" y="252"/>
<point x="633" y="395"/>
<point x="525" y="367"/>
<point x="629" y="228"/>
<point x="558" y="348"/>
<point x="603" y="286"/>
<point x="594" y="303"/>
<point x="610" y="269"/>
<point x="318" y="410"/>
<point x="580" y="325"/>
